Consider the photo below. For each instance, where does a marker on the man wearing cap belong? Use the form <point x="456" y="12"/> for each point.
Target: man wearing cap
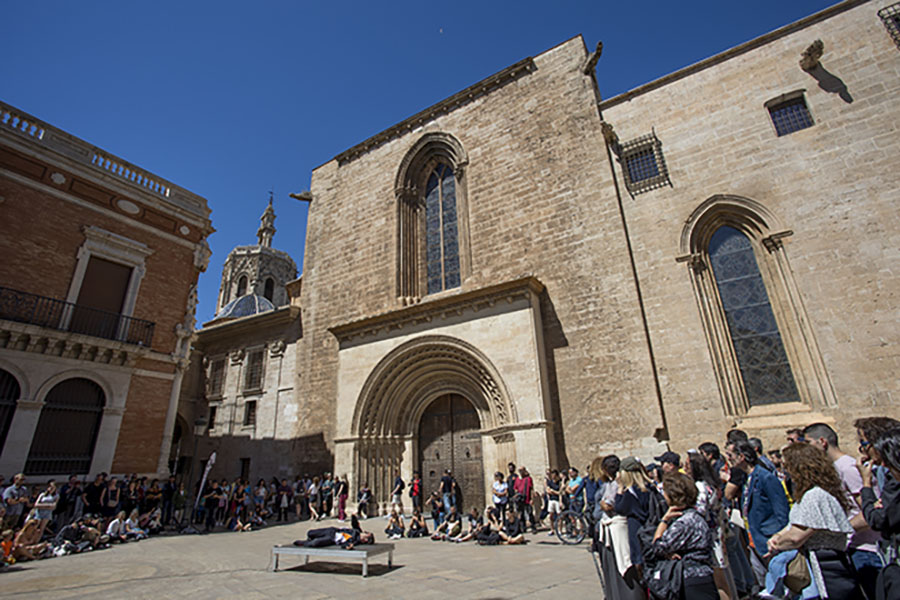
<point x="670" y="462"/>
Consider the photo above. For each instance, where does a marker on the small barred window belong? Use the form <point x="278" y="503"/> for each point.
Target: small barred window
<point x="250" y="413"/>
<point x="890" y="16"/>
<point x="216" y="377"/>
<point x="789" y="113"/>
<point x="254" y="374"/>
<point x="643" y="164"/>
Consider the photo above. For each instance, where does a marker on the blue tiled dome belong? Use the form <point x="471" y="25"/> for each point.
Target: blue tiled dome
<point x="251" y="304"/>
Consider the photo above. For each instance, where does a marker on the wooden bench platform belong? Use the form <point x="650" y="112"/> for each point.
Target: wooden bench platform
<point x="358" y="553"/>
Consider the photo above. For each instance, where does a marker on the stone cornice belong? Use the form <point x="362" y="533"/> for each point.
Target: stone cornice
<point x="732" y="52"/>
<point x="38" y="139"/>
<point x="213" y="331"/>
<point x="35" y="339"/>
<point x="485" y="86"/>
<point x="443" y="306"/>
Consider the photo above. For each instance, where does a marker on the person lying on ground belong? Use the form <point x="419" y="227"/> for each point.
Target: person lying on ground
<point x="27" y="544"/>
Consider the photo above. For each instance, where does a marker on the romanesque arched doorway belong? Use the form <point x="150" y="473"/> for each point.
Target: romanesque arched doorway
<point x="450" y="438"/>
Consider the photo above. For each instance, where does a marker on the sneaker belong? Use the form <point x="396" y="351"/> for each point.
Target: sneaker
<point x="550" y="534"/>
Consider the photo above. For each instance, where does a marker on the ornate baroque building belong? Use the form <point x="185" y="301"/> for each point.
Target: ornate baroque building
<point x="97" y="295"/>
<point x="527" y="271"/>
<point x="243" y="374"/>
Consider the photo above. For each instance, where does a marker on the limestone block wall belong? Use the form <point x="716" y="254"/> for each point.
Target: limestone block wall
<point x="539" y="203"/>
<point x="836" y="185"/>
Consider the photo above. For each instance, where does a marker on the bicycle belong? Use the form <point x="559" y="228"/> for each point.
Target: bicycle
<point x="572" y="526"/>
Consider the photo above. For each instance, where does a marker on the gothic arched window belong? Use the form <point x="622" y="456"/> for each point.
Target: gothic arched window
<point x="242" y="286"/>
<point x="67" y="429"/>
<point x="441" y="230"/>
<point x="269" y="291"/>
<point x="760" y="354"/>
<point x="432" y="232"/>
<point x="762" y="348"/>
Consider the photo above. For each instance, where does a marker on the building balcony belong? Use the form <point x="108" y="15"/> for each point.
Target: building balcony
<point x="59" y="315"/>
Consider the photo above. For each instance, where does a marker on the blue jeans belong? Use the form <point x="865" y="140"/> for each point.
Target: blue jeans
<point x="868" y="565"/>
<point x="449" y="500"/>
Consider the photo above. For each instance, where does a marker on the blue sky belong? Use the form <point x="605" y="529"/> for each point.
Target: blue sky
<point x="230" y="100"/>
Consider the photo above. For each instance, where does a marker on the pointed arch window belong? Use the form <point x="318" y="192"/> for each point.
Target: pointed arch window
<point x="242" y="286"/>
<point x="762" y="348"/>
<point x="269" y="291"/>
<point x="761" y="358"/>
<point x="441" y="230"/>
<point x="433" y="252"/>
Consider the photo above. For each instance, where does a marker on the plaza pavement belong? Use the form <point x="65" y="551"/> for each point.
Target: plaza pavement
<point x="233" y="565"/>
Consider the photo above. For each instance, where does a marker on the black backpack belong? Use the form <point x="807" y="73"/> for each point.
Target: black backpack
<point x="656" y="510"/>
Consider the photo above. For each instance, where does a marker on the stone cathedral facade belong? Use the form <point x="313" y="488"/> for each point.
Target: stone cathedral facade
<point x="530" y="272"/>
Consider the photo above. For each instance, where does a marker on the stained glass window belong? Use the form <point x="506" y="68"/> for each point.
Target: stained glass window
<point x="754" y="332"/>
<point x="441" y="231"/>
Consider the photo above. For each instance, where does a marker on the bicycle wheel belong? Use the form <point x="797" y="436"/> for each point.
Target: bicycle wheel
<point x="570" y="527"/>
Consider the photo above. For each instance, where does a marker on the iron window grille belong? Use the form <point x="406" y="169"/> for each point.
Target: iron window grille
<point x="250" y="413"/>
<point x="789" y="113"/>
<point x="254" y="374"/>
<point x="643" y="164"/>
<point x="890" y="16"/>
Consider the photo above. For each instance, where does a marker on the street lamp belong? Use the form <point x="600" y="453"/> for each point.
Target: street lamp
<point x="199" y="430"/>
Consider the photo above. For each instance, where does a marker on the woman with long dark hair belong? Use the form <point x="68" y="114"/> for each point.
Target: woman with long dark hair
<point x="819" y="526"/>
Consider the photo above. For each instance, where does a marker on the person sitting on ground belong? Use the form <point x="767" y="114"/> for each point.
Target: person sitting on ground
<point x="6" y="544"/>
<point x="395" y="527"/>
<point x="513" y="530"/>
<point x="475" y="524"/>
<point x="450" y="528"/>
<point x="417" y="525"/>
<point x="235" y="524"/>
<point x="27" y="544"/>
<point x="132" y="526"/>
<point x="116" y="528"/>
<point x="337" y="536"/>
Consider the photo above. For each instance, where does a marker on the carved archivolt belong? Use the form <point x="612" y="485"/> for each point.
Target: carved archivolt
<point x="412" y="375"/>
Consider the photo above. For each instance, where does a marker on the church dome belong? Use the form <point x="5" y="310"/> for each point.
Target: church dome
<point x="245" y="306"/>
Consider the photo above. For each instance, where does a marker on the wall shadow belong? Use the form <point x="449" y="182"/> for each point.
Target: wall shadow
<point x="831" y="83"/>
<point x="554" y="338"/>
<point x="305" y="455"/>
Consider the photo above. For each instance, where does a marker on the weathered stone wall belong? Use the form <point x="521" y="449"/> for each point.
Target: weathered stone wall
<point x="836" y="185"/>
<point x="539" y="203"/>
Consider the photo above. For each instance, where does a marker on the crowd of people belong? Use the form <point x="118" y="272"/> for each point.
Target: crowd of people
<point x="803" y="521"/>
<point x="79" y="516"/>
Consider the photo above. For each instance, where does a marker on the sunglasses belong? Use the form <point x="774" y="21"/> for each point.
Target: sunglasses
<point x="863" y="445"/>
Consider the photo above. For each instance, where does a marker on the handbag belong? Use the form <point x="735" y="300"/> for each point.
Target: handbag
<point x="666" y="579"/>
<point x="797" y="577"/>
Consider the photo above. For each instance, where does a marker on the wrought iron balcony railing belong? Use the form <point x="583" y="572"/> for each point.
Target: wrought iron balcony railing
<point x="65" y="316"/>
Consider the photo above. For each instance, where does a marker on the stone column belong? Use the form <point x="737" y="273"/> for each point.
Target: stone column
<point x="107" y="436"/>
<point x="18" y="440"/>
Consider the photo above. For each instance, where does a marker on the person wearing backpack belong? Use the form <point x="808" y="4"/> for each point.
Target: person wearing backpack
<point x="397" y="494"/>
<point x="637" y="500"/>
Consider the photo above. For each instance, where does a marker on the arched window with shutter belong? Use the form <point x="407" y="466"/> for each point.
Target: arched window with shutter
<point x="66" y="432"/>
<point x="9" y="396"/>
